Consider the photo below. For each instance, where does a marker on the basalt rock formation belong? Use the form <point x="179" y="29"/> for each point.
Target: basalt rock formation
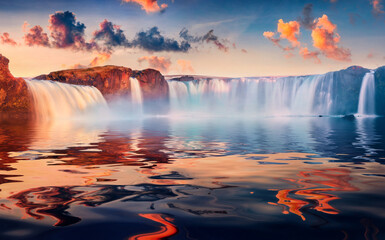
<point x="15" y="99"/>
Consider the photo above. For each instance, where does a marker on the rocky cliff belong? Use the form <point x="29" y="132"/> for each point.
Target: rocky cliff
<point x="15" y="99"/>
<point x="114" y="81"/>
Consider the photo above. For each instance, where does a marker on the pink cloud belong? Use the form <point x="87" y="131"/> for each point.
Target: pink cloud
<point x="306" y="54"/>
<point x="6" y="39"/>
<point x="35" y="36"/>
<point x="159" y="63"/>
<point x="185" y="66"/>
<point x="378" y="8"/>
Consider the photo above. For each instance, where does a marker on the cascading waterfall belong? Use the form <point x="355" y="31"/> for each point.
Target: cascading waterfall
<point x="136" y="101"/>
<point x="136" y="91"/>
<point x="304" y="95"/>
<point x="60" y="100"/>
<point x="366" y="105"/>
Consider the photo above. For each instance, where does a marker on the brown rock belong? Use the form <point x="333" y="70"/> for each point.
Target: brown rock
<point x="15" y="99"/>
<point x="114" y="81"/>
<point x="152" y="83"/>
<point x="108" y="79"/>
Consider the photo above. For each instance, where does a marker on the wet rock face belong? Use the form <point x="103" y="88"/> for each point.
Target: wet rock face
<point x="15" y="99"/>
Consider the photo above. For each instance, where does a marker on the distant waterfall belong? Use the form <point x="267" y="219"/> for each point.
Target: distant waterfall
<point x="61" y="100"/>
<point x="304" y="95"/>
<point x="366" y="105"/>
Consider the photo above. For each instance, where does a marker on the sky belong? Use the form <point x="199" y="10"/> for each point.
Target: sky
<point x="204" y="37"/>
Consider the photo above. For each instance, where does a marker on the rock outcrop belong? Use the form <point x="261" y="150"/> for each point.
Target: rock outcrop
<point x="346" y="89"/>
<point x="114" y="81"/>
<point x="15" y="99"/>
<point x="379" y="76"/>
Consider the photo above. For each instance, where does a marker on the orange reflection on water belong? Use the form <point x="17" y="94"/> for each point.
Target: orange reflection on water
<point x="314" y="191"/>
<point x="166" y="230"/>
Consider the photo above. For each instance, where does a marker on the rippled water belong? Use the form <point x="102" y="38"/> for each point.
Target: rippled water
<point x="190" y="178"/>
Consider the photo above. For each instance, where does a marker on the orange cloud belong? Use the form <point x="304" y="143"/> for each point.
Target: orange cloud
<point x="270" y="36"/>
<point x="100" y="59"/>
<point x="6" y="39"/>
<point x="289" y="31"/>
<point x="77" y="66"/>
<point x="306" y="54"/>
<point x="185" y="66"/>
<point x="326" y="39"/>
<point x="377" y="7"/>
<point x="159" y="63"/>
<point x="149" y="5"/>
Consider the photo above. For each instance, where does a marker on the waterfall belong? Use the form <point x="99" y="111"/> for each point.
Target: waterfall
<point x="269" y="96"/>
<point x="366" y="105"/>
<point x="136" y="91"/>
<point x="60" y="100"/>
<point x="136" y="99"/>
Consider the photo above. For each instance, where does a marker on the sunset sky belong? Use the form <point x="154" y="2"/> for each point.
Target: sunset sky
<point x="207" y="37"/>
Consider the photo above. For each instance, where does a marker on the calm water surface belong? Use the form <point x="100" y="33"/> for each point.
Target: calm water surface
<point x="190" y="178"/>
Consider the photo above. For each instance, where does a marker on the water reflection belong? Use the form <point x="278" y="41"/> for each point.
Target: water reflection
<point x="172" y="176"/>
<point x="314" y="191"/>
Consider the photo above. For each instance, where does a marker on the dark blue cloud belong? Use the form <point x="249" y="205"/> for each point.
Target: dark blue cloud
<point x="208" y="37"/>
<point x="66" y="32"/>
<point x="307" y="18"/>
<point x="152" y="40"/>
<point x="111" y="35"/>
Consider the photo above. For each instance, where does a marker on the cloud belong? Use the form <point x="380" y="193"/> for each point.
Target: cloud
<point x="378" y="8"/>
<point x="159" y="63"/>
<point x="97" y="61"/>
<point x="354" y="17"/>
<point x="270" y="35"/>
<point x="306" y="54"/>
<point x="326" y="39"/>
<point x="324" y="35"/>
<point x="209" y="37"/>
<point x="149" y="5"/>
<point x="35" y="36"/>
<point x="100" y="59"/>
<point x="185" y="66"/>
<point x="289" y="31"/>
<point x="67" y="32"/>
<point x="6" y="39"/>
<point x="307" y="19"/>
<point x="77" y="66"/>
<point x="152" y="41"/>
<point x="111" y="34"/>
<point x="370" y="55"/>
